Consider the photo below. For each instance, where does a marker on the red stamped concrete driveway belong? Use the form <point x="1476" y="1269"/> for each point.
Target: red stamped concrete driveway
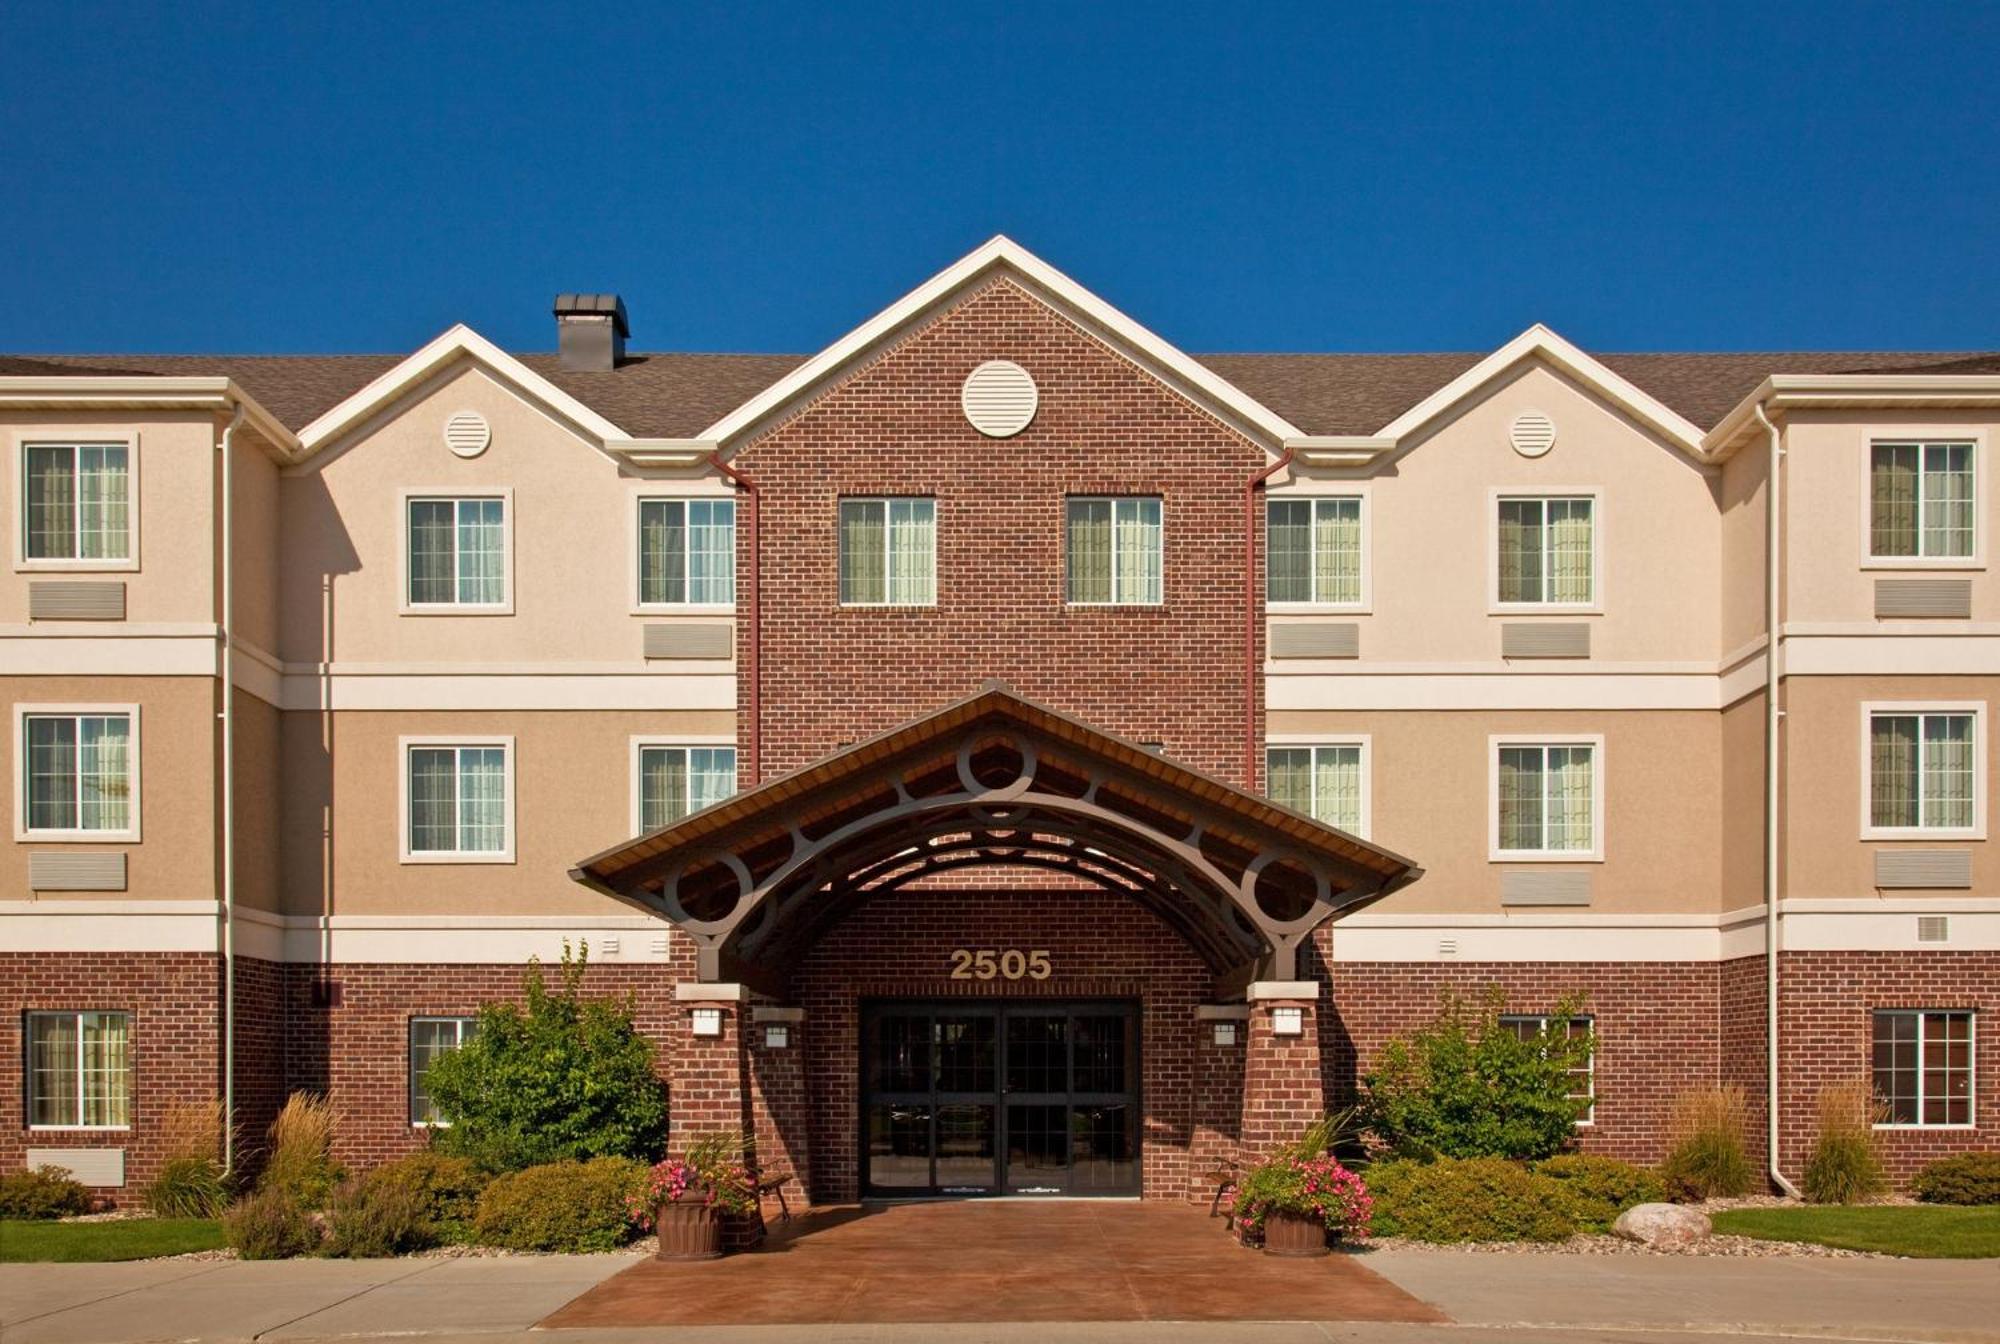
<point x="995" y="1261"/>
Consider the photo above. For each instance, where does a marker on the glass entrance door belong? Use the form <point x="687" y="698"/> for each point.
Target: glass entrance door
<point x="1000" y="1098"/>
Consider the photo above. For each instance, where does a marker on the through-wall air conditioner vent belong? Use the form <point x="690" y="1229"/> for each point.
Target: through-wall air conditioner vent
<point x="1532" y="434"/>
<point x="467" y="434"/>
<point x="1447" y="947"/>
<point x="1933" y="929"/>
<point x="999" y="398"/>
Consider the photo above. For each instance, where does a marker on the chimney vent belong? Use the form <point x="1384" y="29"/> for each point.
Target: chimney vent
<point x="591" y="331"/>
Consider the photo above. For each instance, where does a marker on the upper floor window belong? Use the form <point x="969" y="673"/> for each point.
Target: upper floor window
<point x="1314" y="551"/>
<point x="1327" y="783"/>
<point x="1923" y="769"/>
<point x="1923" y="1067"/>
<point x="888" y="552"/>
<point x="1548" y="799"/>
<point x="1921" y="500"/>
<point x="458" y="800"/>
<point x="1115" y="551"/>
<point x="457" y="552"/>
<point x="79" y="1071"/>
<point x="687" y="552"/>
<point x="79" y="773"/>
<point x="429" y="1038"/>
<point x="1582" y="1077"/>
<point x="76" y="503"/>
<point x="1548" y="552"/>
<point x="674" y="781"/>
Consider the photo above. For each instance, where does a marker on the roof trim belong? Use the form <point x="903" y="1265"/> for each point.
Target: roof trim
<point x="1166" y="361"/>
<point x="148" y="392"/>
<point x="1857" y="391"/>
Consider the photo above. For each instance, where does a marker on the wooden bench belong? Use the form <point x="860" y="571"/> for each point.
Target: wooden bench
<point x="1224" y="1175"/>
<point x="774" y="1183"/>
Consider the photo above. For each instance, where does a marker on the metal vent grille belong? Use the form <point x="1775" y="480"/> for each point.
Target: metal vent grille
<point x="689" y="639"/>
<point x="467" y="434"/>
<point x="75" y="600"/>
<point x="1532" y="434"/>
<point x="1316" y="639"/>
<point x="999" y="398"/>
<point x="1925" y="869"/>
<point x="1545" y="639"/>
<point x="68" y="870"/>
<point x="1525" y="886"/>
<point x="99" y="1167"/>
<point x="1933" y="929"/>
<point x="1919" y="598"/>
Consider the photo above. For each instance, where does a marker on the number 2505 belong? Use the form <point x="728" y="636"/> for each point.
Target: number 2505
<point x="986" y="963"/>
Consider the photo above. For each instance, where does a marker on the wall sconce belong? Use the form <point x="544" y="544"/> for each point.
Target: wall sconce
<point x="706" y="1021"/>
<point x="1225" y="1033"/>
<point x="1288" y="1021"/>
<point x="777" y="1036"/>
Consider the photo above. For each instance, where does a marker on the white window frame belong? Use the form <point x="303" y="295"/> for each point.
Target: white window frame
<point x="505" y="607"/>
<point x="59" y="436"/>
<point x="937" y="526"/>
<point x="463" y="1020"/>
<point x="1365" y="741"/>
<point x="640" y="499"/>
<point x="28" y="1075"/>
<point x="1977" y="709"/>
<point x="1112" y="500"/>
<point x="683" y="741"/>
<point x="1366" y="603"/>
<point x="1494" y="853"/>
<point x="504" y="741"/>
<point x="1589" y="1117"/>
<point x="22" y="713"/>
<point x="1971" y="1120"/>
<point x="1921" y="434"/>
<point x="1499" y="494"/>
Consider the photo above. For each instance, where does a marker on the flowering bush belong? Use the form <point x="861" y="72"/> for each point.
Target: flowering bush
<point x="714" y="1172"/>
<point x="1307" y="1187"/>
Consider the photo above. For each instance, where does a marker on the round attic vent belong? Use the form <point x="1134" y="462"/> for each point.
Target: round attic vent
<point x="999" y="398"/>
<point x="467" y="434"/>
<point x="1532" y="434"/>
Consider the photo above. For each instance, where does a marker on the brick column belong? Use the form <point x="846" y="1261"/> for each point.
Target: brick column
<point x="1282" y="1089"/>
<point x="708" y="1084"/>
<point x="778" y="1098"/>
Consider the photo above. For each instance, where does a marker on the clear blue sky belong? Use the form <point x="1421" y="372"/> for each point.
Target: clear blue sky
<point x="1242" y="177"/>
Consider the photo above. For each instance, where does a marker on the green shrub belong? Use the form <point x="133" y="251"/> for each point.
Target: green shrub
<point x="1969" y="1178"/>
<point x="1706" y="1160"/>
<point x="1598" y="1189"/>
<point x="188" y="1187"/>
<point x="561" y="1206"/>
<point x="271" y="1225"/>
<point x="1476" y="1199"/>
<point x="44" y="1192"/>
<point x="1844" y="1167"/>
<point x="1465" y="1086"/>
<point x="448" y="1186"/>
<point x="566" y="1078"/>
<point x="301" y="1162"/>
<point x="373" y="1216"/>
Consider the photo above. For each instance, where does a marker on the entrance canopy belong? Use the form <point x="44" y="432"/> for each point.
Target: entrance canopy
<point x="995" y="780"/>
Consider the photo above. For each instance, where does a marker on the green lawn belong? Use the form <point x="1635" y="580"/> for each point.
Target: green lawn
<point x="1934" y="1232"/>
<point x="119" y="1239"/>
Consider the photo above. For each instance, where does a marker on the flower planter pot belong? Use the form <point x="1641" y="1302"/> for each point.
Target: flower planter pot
<point x="690" y="1228"/>
<point x="1288" y="1234"/>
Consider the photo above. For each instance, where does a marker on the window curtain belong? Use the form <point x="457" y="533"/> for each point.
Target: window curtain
<point x="1288" y="777"/>
<point x="1947" y="770"/>
<point x="433" y="800"/>
<point x="482" y="800"/>
<point x="863" y="569"/>
<point x="51" y="769"/>
<point x="103" y="515"/>
<point x="1288" y="575"/>
<point x="1520" y="550"/>
<point x="912" y="552"/>
<point x="663" y="539"/>
<point x="1520" y="798"/>
<point x="711" y="774"/>
<point x="1892" y="770"/>
<point x="1569" y="550"/>
<point x="1137" y="539"/>
<point x="51" y="491"/>
<point x="663" y="786"/>
<point x="433" y="551"/>
<point x="1337" y="786"/>
<point x="1569" y="798"/>
<point x="711" y="543"/>
<point x="1337" y="550"/>
<point x="482" y="552"/>
<point x="54" y="1083"/>
<point x="106" y="1070"/>
<point x="1090" y="550"/>
<point x="1947" y="499"/>
<point x="1892" y="499"/>
<point x="104" y="772"/>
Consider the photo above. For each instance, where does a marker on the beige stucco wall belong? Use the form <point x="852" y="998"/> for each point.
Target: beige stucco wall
<point x="255" y="547"/>
<point x="260" y="791"/>
<point x="1429" y="775"/>
<point x="1741" y="586"/>
<point x="572" y="792"/>
<point x="572" y="554"/>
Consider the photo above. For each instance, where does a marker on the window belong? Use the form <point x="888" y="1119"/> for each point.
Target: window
<point x="1314" y="551"/>
<point x="1547" y="799"/>
<point x="429" y="1038"/>
<point x="1548" y="554"/>
<point x="687" y="552"/>
<point x="76" y="503"/>
<point x="674" y="781"/>
<point x="79" y="1071"/>
<point x="458" y="553"/>
<point x="1923" y="771"/>
<point x="1920" y="500"/>
<point x="1923" y="1067"/>
<point x="1115" y="552"/>
<point x="79" y="773"/>
<point x="458" y="801"/>
<point x="1583" y="1078"/>
<point x="1327" y="783"/>
<point x="888" y="552"/>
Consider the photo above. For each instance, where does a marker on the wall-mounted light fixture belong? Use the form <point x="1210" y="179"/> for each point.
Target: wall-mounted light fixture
<point x="1288" y="1021"/>
<point x="706" y="1021"/>
<point x="777" y="1036"/>
<point x="1225" y="1033"/>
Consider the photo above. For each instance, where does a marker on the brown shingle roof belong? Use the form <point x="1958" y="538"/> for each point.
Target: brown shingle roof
<point x="679" y="395"/>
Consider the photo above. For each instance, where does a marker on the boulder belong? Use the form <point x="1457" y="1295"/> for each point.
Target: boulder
<point x="1670" y="1227"/>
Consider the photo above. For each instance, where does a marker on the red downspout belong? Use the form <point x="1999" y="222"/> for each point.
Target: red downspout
<point x="756" y="706"/>
<point x="1251" y="610"/>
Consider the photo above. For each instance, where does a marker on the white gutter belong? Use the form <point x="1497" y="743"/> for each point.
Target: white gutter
<point x="227" y="913"/>
<point x="1773" y="639"/>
